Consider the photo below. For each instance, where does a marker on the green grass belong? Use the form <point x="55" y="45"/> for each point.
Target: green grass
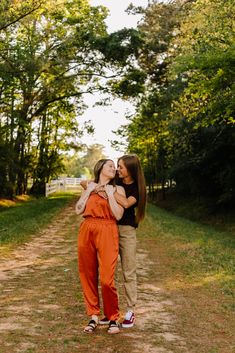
<point x="202" y="210"/>
<point x="19" y="222"/>
<point x="200" y="252"/>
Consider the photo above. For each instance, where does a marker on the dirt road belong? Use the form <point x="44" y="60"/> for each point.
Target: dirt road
<point x="42" y="307"/>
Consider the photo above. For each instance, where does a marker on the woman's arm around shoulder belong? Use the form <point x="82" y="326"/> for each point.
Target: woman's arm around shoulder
<point x="120" y="190"/>
<point x="123" y="200"/>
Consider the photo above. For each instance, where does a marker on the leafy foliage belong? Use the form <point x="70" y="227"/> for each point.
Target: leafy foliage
<point x="83" y="164"/>
<point x="184" y="126"/>
<point x="47" y="62"/>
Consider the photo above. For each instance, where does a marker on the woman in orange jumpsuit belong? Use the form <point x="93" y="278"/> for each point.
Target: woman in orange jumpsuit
<point x="98" y="244"/>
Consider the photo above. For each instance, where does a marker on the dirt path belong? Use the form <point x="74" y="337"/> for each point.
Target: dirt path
<point x="42" y="308"/>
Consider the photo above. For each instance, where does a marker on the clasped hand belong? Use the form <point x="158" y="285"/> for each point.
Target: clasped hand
<point x="109" y="189"/>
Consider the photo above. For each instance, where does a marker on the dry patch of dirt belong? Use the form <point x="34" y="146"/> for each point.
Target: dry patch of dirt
<point x="41" y="304"/>
<point x="10" y="203"/>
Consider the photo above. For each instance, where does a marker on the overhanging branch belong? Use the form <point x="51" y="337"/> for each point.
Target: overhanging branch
<point x="20" y="17"/>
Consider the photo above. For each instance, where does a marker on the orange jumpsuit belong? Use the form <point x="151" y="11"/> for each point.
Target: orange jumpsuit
<point x="97" y="256"/>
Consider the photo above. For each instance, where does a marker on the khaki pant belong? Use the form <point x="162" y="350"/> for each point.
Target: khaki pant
<point x="127" y="251"/>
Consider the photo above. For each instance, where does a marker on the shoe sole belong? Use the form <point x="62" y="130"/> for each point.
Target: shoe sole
<point x="113" y="332"/>
<point x="127" y="325"/>
<point x="104" y="323"/>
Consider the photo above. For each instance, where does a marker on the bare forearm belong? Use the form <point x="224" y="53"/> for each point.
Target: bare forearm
<point x="81" y="204"/>
<point x="116" y="209"/>
<point x="123" y="201"/>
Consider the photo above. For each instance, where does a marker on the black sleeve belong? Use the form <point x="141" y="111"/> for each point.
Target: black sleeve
<point x="134" y="192"/>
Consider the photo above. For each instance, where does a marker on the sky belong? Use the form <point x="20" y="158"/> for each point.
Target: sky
<point x="106" y="119"/>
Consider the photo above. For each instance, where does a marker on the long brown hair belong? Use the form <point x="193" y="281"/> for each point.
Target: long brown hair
<point x="133" y="166"/>
<point x="97" y="170"/>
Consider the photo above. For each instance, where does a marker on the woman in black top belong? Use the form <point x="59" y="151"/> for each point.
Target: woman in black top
<point x="131" y="177"/>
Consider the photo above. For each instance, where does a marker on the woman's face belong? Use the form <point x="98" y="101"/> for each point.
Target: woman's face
<point x="122" y="170"/>
<point x="109" y="170"/>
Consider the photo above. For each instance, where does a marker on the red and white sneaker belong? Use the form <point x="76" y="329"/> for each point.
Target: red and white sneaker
<point x="129" y="319"/>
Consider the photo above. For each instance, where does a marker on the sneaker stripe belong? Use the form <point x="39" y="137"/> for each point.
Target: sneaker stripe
<point x="129" y="319"/>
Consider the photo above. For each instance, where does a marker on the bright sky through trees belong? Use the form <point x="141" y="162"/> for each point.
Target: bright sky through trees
<point x="106" y="119"/>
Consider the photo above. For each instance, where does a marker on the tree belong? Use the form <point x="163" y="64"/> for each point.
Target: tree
<point x="186" y="107"/>
<point x="206" y="104"/>
<point x="147" y="130"/>
<point x="46" y="64"/>
<point x="82" y="163"/>
<point x="51" y="53"/>
<point x="93" y="154"/>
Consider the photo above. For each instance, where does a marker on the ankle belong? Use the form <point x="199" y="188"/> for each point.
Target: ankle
<point x="95" y="318"/>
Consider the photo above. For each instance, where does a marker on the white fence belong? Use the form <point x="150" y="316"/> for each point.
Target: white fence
<point x="63" y="185"/>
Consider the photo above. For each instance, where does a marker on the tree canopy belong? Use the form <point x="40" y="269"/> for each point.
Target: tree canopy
<point x="51" y="54"/>
<point x="177" y="67"/>
<point x="184" y="126"/>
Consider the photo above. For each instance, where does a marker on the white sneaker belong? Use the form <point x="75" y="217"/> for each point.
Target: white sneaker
<point x="129" y="319"/>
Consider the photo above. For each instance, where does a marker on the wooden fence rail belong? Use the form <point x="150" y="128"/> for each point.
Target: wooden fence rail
<point x="63" y="185"/>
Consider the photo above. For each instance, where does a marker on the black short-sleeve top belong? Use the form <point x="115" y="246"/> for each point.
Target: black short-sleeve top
<point x="128" y="218"/>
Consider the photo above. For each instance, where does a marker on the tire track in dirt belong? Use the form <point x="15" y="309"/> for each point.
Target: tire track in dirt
<point x="41" y="305"/>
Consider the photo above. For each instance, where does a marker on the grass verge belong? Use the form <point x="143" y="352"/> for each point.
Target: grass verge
<point x="199" y="209"/>
<point x="19" y="222"/>
<point x="200" y="252"/>
<point x="195" y="265"/>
